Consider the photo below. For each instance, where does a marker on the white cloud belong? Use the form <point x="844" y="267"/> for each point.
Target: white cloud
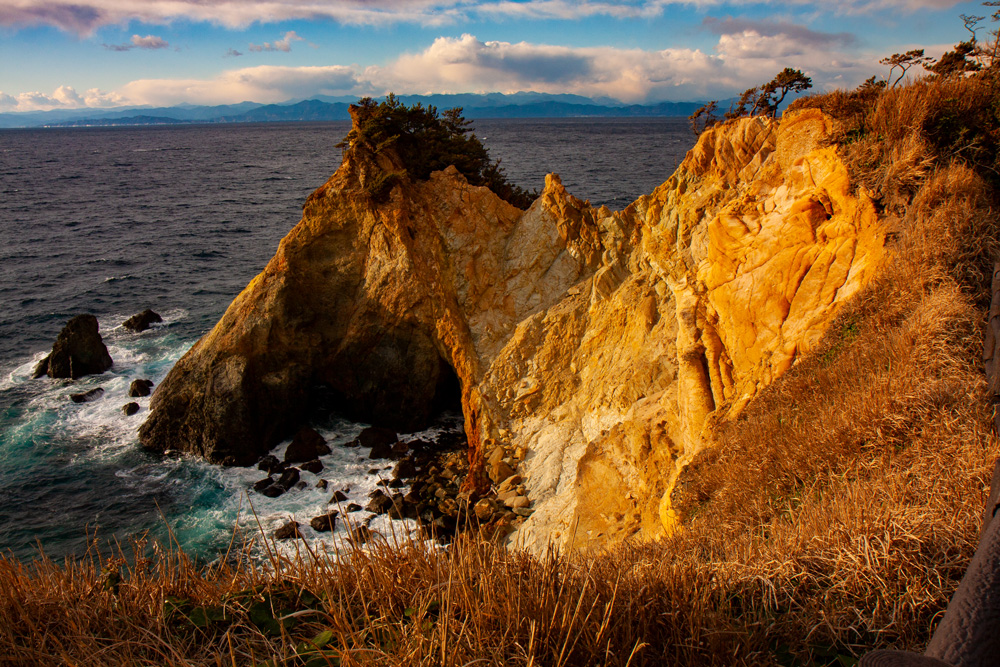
<point x="149" y="42"/>
<point x="85" y="16"/>
<point x="283" y="44"/>
<point x="744" y="56"/>
<point x="266" y="83"/>
<point x="63" y="97"/>
<point x="633" y="75"/>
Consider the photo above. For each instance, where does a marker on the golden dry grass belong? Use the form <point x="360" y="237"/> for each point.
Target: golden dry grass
<point x="837" y="514"/>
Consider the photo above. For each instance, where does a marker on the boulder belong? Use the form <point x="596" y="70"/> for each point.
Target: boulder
<point x="273" y="488"/>
<point x="361" y="534"/>
<point x="380" y="503"/>
<point x="289" y="478"/>
<point x="321" y="484"/>
<point x="516" y="502"/>
<point x="79" y="350"/>
<point x="354" y="507"/>
<point x="338" y="497"/>
<point x="325" y="523"/>
<point x="500" y="471"/>
<point x="405" y="469"/>
<point x="130" y="409"/>
<point x="140" y="388"/>
<point x="307" y="445"/>
<point x="260" y="485"/>
<point x="87" y="396"/>
<point x="313" y="466"/>
<point x="271" y="464"/>
<point x="141" y="321"/>
<point x="485" y="509"/>
<point x="289" y="531"/>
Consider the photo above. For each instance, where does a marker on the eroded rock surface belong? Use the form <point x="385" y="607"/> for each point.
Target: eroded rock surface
<point x="598" y="346"/>
<point x="79" y="350"/>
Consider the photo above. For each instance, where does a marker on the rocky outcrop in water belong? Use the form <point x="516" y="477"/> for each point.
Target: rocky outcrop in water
<point x="142" y="321"/>
<point x="78" y="351"/>
<point x="591" y="350"/>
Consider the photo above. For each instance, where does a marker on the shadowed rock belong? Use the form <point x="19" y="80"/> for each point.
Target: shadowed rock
<point x="289" y="531"/>
<point x="140" y="388"/>
<point x="130" y="409"/>
<point x="307" y="445"/>
<point x="87" y="396"/>
<point x="78" y="351"/>
<point x="141" y="321"/>
<point x="324" y="523"/>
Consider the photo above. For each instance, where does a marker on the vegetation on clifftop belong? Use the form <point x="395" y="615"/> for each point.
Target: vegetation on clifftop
<point x="427" y="141"/>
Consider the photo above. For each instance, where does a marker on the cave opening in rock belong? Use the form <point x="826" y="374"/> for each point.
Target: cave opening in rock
<point x="327" y="404"/>
<point x="447" y="394"/>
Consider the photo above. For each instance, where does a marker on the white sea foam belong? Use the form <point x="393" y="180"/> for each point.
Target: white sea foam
<point x="210" y="501"/>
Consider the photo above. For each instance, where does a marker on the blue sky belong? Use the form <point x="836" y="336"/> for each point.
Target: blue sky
<point x="101" y="53"/>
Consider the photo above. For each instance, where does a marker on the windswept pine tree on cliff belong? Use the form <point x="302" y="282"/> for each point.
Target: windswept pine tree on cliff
<point x="762" y="100"/>
<point x="427" y="141"/>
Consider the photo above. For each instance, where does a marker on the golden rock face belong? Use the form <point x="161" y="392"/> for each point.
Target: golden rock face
<point x="705" y="292"/>
<point x="593" y="346"/>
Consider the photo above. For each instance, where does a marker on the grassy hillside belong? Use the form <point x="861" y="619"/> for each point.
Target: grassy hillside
<point x="837" y="514"/>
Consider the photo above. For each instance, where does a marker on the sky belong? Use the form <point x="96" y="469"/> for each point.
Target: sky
<point x="65" y="54"/>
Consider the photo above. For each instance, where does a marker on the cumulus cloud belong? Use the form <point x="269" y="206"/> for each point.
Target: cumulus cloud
<point x="149" y="42"/>
<point x="635" y="75"/>
<point x="260" y="84"/>
<point x="85" y="16"/>
<point x="745" y="55"/>
<point x="739" y="26"/>
<point x="283" y="44"/>
<point x="63" y="97"/>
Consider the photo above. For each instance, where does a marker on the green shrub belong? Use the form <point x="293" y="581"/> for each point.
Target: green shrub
<point x="427" y="141"/>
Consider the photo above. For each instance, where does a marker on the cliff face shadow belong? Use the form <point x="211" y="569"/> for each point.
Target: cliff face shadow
<point x="326" y="404"/>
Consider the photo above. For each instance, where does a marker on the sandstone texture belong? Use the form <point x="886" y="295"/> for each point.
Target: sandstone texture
<point x="591" y="350"/>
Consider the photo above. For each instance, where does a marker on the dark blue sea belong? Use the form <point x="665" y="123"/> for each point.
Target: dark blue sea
<point x="111" y="221"/>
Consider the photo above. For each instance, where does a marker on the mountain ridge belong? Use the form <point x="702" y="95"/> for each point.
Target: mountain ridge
<point x="329" y="108"/>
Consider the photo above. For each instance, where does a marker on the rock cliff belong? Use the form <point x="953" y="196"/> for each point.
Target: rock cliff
<point x="593" y="349"/>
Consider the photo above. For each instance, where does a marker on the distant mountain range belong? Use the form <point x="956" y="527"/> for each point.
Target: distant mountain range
<point x="325" y="108"/>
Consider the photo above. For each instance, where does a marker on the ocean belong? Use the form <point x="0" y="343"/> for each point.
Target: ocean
<point x="111" y="221"/>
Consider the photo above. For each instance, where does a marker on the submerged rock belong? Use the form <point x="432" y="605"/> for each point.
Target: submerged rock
<point x="79" y="350"/>
<point x="87" y="396"/>
<point x="141" y="321"/>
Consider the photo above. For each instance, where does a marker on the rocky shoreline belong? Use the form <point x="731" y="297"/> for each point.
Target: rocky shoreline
<point x="423" y="484"/>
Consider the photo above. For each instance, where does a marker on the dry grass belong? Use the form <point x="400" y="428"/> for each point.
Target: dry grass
<point x="837" y="516"/>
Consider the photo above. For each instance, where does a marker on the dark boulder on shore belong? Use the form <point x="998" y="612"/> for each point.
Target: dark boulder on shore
<point x="325" y="523"/>
<point x="273" y="488"/>
<point x="289" y="531"/>
<point x="78" y="351"/>
<point x="141" y="321"/>
<point x="140" y="388"/>
<point x="306" y="446"/>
